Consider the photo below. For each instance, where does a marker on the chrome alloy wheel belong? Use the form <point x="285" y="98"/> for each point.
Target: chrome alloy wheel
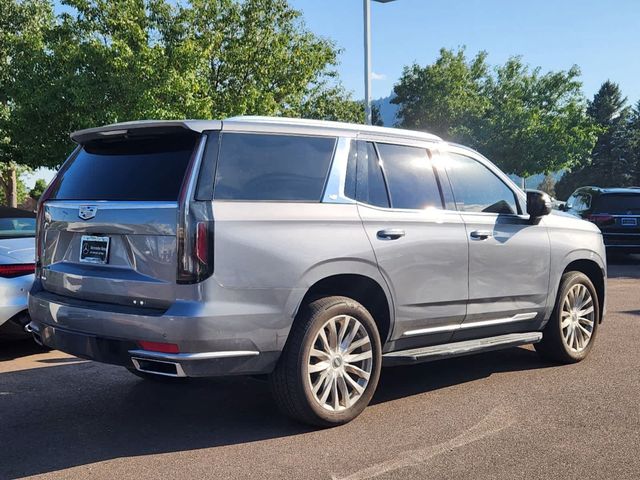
<point x="577" y="318"/>
<point x="339" y="363"/>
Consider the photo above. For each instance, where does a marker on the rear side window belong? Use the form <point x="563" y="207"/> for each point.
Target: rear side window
<point x="617" y="204"/>
<point x="478" y="189"/>
<point x="371" y="188"/>
<point x="272" y="167"/>
<point x="410" y="177"/>
<point x="579" y="202"/>
<point x="145" y="169"/>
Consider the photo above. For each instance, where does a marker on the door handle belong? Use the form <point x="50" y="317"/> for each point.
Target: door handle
<point x="481" y="234"/>
<point x="390" y="234"/>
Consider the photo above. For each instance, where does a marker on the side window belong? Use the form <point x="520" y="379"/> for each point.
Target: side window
<point x="410" y="177"/>
<point x="478" y="189"/>
<point x="272" y="167"/>
<point x="579" y="202"/>
<point x="350" y="176"/>
<point x="371" y="188"/>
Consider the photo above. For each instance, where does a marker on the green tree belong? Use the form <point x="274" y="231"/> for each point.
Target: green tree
<point x="22" y="24"/>
<point x="38" y="189"/>
<point x="611" y="160"/>
<point x="525" y="121"/>
<point x="104" y="61"/>
<point x="548" y="185"/>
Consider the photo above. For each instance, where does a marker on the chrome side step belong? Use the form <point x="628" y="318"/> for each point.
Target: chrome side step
<point x="458" y="349"/>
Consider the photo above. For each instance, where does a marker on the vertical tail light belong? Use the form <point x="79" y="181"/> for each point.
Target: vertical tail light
<point x="195" y="230"/>
<point x="202" y="242"/>
<point x="41" y="212"/>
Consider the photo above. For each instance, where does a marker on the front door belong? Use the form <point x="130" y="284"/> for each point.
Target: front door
<point x="509" y="257"/>
<point x="421" y="248"/>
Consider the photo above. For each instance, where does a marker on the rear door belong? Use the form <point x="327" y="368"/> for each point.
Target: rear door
<point x="509" y="257"/>
<point x="111" y="219"/>
<point x="421" y="248"/>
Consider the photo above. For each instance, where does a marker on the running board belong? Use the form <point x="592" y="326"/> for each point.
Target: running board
<point x="458" y="349"/>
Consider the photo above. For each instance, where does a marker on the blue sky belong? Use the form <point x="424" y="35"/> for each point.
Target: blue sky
<point x="601" y="37"/>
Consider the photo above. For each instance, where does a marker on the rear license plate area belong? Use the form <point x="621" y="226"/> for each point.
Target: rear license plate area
<point x="94" y="249"/>
<point x="629" y="222"/>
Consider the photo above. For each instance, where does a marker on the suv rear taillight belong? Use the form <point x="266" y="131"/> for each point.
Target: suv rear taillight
<point x="601" y="219"/>
<point x="195" y="252"/>
<point x="195" y="229"/>
<point x="16" y="270"/>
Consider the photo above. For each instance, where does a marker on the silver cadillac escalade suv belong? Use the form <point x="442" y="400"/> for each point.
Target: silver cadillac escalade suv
<point x="312" y="252"/>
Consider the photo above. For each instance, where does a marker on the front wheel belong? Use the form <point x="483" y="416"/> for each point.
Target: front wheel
<point x="331" y="364"/>
<point x="571" y="330"/>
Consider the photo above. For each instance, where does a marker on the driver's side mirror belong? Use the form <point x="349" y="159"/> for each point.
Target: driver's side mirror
<point x="538" y="204"/>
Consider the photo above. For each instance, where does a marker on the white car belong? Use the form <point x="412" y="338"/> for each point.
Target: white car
<point x="17" y="263"/>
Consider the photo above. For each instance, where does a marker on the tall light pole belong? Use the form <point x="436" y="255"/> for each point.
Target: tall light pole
<point x="366" y="7"/>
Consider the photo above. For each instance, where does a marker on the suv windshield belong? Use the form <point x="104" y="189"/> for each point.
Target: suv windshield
<point x="618" y="204"/>
<point x="143" y="169"/>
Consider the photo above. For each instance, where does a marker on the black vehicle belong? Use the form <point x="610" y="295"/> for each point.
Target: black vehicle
<point x="616" y="211"/>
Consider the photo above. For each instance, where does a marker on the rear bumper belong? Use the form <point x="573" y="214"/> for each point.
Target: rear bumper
<point x="127" y="353"/>
<point x="618" y="241"/>
<point x="13" y="296"/>
<point x="210" y="346"/>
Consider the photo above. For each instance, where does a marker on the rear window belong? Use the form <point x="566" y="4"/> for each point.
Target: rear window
<point x="618" y="204"/>
<point x="272" y="167"/>
<point x="17" y="227"/>
<point x="144" y="169"/>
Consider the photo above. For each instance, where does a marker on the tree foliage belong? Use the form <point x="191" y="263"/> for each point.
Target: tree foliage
<point x="38" y="189"/>
<point x="104" y="61"/>
<point x="524" y="120"/>
<point x="614" y="160"/>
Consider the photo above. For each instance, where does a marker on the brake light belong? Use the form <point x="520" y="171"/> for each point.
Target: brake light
<point x="17" y="270"/>
<point x="601" y="219"/>
<point x="202" y="242"/>
<point x="159" y="347"/>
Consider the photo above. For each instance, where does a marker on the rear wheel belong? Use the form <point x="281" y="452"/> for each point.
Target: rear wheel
<point x="330" y="366"/>
<point x="571" y="331"/>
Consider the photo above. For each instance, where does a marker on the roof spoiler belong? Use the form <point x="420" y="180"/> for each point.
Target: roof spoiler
<point x="142" y="127"/>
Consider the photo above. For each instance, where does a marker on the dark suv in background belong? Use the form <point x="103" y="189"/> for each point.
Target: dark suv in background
<point x="616" y="211"/>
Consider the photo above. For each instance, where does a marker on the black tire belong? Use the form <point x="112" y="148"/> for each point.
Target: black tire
<point x="290" y="383"/>
<point x="157" y="378"/>
<point x="553" y="347"/>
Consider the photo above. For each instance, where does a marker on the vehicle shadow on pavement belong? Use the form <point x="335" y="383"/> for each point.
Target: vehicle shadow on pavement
<point x="400" y="382"/>
<point x="12" y="349"/>
<point x="623" y="266"/>
<point x="71" y="415"/>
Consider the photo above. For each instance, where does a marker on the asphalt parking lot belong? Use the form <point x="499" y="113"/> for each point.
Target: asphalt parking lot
<point x="501" y="415"/>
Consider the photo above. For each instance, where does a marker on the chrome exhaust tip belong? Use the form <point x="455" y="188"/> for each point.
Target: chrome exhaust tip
<point x="158" y="367"/>
<point x="35" y="333"/>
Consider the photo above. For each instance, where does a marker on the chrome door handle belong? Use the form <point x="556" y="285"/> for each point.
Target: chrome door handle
<point x="481" y="234"/>
<point x="390" y="234"/>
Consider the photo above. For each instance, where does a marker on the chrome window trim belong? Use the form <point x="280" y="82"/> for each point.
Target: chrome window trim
<point x="113" y="204"/>
<point x="337" y="178"/>
<point x="519" y="317"/>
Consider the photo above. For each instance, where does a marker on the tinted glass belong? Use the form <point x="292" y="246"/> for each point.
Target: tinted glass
<point x="579" y="202"/>
<point x="17" y="227"/>
<point x="350" y="177"/>
<point x="371" y="186"/>
<point x="618" y="204"/>
<point x="409" y="173"/>
<point x="143" y="169"/>
<point x="477" y="189"/>
<point x="272" y="167"/>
